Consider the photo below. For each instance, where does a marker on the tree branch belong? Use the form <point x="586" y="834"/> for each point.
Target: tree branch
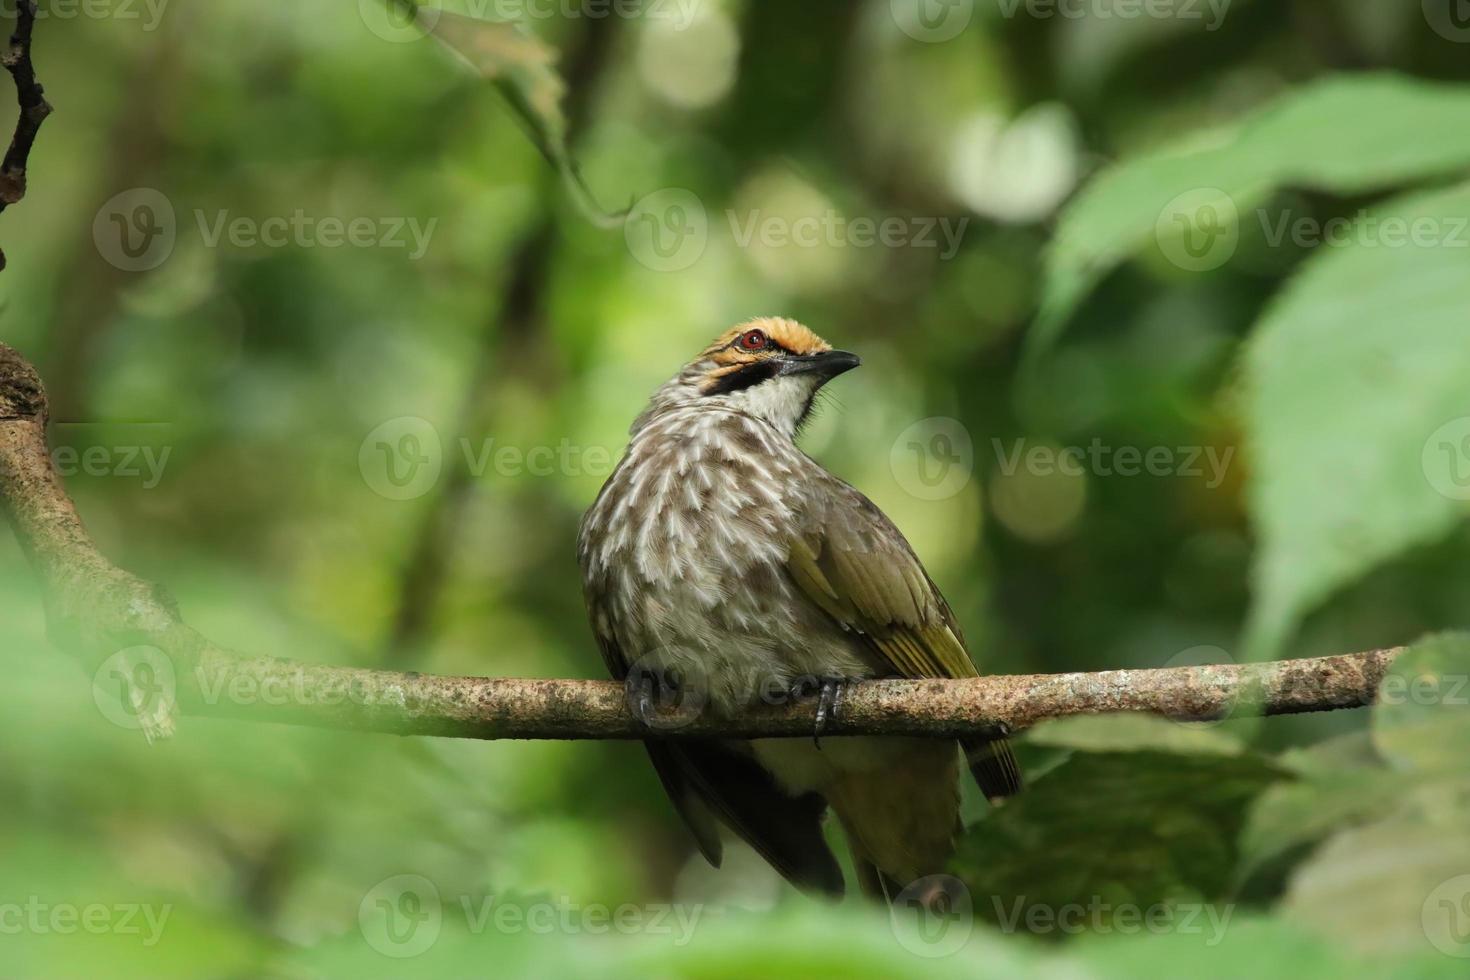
<point x="33" y="108"/>
<point x="99" y="612"/>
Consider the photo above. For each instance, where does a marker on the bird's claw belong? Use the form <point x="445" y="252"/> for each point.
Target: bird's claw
<point x="829" y="698"/>
<point x="640" y="698"/>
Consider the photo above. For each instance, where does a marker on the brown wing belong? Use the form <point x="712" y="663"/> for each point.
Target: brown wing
<point x="706" y="778"/>
<point x="853" y="563"/>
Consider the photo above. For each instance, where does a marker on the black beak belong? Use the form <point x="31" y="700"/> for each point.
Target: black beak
<point x="829" y="364"/>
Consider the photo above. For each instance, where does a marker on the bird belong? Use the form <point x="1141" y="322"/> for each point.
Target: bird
<point x="722" y="563"/>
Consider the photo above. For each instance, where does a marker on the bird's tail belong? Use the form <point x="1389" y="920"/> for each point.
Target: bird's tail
<point x="993" y="766"/>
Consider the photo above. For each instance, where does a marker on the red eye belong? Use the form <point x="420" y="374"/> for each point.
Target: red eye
<point x="753" y="340"/>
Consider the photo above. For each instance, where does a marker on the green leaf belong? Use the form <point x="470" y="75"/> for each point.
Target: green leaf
<point x="1400" y="885"/>
<point x="1289" y="816"/>
<point x="1358" y="387"/>
<point x="1106" y="830"/>
<point x="523" y="70"/>
<point x="1348" y="134"/>
<point x="1422" y="718"/>
<point x="1247" y="946"/>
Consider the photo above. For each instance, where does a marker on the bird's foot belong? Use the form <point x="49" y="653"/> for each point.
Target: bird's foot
<point x="829" y="701"/>
<point x="641" y="700"/>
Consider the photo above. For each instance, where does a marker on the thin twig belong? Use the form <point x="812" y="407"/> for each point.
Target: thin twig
<point x="33" y="108"/>
<point x="95" y="610"/>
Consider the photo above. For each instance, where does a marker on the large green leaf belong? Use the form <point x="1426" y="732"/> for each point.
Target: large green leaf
<point x="1113" y="831"/>
<point x="1357" y="408"/>
<point x="1293" y="815"/>
<point x="1422" y="719"/>
<point x="1400" y="885"/>
<point x="1348" y="134"/>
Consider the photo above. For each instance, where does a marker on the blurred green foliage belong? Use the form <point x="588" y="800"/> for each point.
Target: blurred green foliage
<point x="1200" y="199"/>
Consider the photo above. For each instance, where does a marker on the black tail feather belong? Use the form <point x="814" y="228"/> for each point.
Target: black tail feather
<point x="993" y="766"/>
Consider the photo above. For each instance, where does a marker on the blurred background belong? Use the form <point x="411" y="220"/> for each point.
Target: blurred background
<point x="336" y="355"/>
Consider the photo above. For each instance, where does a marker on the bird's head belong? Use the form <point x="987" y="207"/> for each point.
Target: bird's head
<point x="770" y="367"/>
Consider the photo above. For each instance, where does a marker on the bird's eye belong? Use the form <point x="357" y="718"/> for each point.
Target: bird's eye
<point x="754" y="340"/>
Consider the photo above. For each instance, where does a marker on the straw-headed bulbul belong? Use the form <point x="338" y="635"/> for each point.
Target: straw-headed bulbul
<point x="721" y="558"/>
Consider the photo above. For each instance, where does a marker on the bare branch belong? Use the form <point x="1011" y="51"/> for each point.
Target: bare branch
<point x="96" y="609"/>
<point x="33" y="107"/>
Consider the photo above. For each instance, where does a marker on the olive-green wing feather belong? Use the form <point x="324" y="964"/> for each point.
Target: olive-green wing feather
<point x="851" y="561"/>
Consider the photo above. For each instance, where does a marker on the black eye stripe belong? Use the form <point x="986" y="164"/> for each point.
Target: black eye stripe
<point x="746" y="377"/>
